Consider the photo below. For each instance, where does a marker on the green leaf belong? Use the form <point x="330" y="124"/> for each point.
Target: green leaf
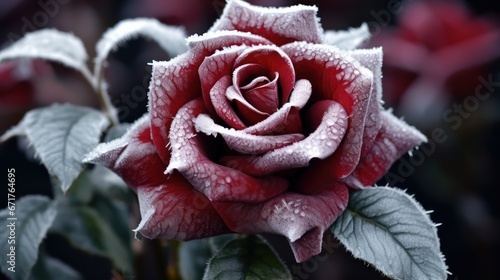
<point x="193" y="258"/>
<point x="249" y="258"/>
<point x="88" y="229"/>
<point x="390" y="230"/>
<point x="217" y="242"/>
<point x="50" y="268"/>
<point x="171" y="39"/>
<point x="53" y="45"/>
<point x="33" y="215"/>
<point x="195" y="254"/>
<point x="61" y="136"/>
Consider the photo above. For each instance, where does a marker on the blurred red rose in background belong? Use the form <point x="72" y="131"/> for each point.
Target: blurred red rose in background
<point x="435" y="54"/>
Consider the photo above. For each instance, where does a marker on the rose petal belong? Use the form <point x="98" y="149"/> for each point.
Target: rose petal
<point x="393" y="140"/>
<point x="175" y="210"/>
<point x="277" y="121"/>
<point x="243" y="142"/>
<point x="222" y="105"/>
<point x="280" y="25"/>
<point x="217" y="182"/>
<point x="371" y="59"/>
<point x="273" y="59"/>
<point x="133" y="156"/>
<point x="261" y="91"/>
<point x="301" y="218"/>
<point x="319" y="144"/>
<point x="176" y="81"/>
<point x="247" y="112"/>
<point x="335" y="76"/>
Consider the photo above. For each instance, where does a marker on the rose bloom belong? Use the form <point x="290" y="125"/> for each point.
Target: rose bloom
<point x="260" y="127"/>
<point x="437" y="52"/>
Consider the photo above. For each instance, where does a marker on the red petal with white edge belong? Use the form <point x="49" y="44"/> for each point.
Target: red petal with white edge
<point x="176" y="81"/>
<point x="175" y="210"/>
<point x="301" y="218"/>
<point x="222" y="105"/>
<point x="133" y="156"/>
<point x="217" y="182"/>
<point x="280" y="25"/>
<point x="247" y="112"/>
<point x="393" y="140"/>
<point x="335" y="76"/>
<point x="319" y="144"/>
<point x="213" y="71"/>
<point x="243" y="142"/>
<point x="273" y="59"/>
<point x="371" y="59"/>
<point x="278" y="121"/>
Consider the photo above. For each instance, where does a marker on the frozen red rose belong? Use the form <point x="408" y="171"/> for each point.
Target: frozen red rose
<point x="260" y="127"/>
<point x="436" y="53"/>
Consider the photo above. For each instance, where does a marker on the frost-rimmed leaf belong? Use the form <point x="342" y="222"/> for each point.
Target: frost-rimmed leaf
<point x="194" y="255"/>
<point x="61" y="135"/>
<point x="88" y="229"/>
<point x="246" y="258"/>
<point x="348" y="39"/>
<point x="35" y="215"/>
<point x="53" y="45"/>
<point x="171" y="39"/>
<point x="389" y="229"/>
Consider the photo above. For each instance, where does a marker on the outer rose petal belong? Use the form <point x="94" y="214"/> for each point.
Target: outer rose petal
<point x="170" y="207"/>
<point x="175" y="210"/>
<point x="217" y="182"/>
<point x="371" y="59"/>
<point x="335" y="76"/>
<point x="132" y="156"/>
<point x="393" y="140"/>
<point x="301" y="218"/>
<point x="176" y="81"/>
<point x="280" y="25"/>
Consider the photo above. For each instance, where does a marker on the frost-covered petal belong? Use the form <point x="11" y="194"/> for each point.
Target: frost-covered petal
<point x="280" y="25"/>
<point x="243" y="142"/>
<point x="176" y="81"/>
<point x="301" y="218"/>
<point x="217" y="182"/>
<point x="371" y="59"/>
<point x="274" y="60"/>
<point x="222" y="105"/>
<point x="348" y="39"/>
<point x="335" y="75"/>
<point x="393" y="140"/>
<point x="319" y="144"/>
<point x="247" y="112"/>
<point x="133" y="156"/>
<point x="175" y="210"/>
<point x="281" y="118"/>
<point x="213" y="71"/>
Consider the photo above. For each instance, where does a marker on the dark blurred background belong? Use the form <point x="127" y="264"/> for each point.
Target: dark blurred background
<point x="441" y="73"/>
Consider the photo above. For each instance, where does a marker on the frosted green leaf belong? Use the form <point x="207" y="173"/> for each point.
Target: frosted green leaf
<point x="28" y="223"/>
<point x="52" y="45"/>
<point x="171" y="39"/>
<point x="248" y="258"/>
<point x="61" y="135"/>
<point x="390" y="230"/>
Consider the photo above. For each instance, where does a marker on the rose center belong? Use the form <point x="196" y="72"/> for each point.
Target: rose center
<point x="258" y="87"/>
